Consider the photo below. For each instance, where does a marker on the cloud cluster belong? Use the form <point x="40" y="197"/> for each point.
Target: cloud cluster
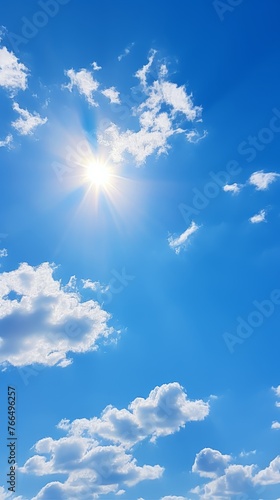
<point x="41" y="321"/>
<point x="229" y="481"/>
<point x="96" y="453"/>
<point x="165" y="108"/>
<point x="88" y="86"/>
<point x="177" y="243"/>
<point x="260" y="180"/>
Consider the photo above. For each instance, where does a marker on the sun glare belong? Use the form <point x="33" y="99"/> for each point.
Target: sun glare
<point x="98" y="173"/>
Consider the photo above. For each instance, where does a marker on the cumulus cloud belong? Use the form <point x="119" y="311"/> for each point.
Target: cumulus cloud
<point x="13" y="74"/>
<point x="95" y="453"/>
<point x="27" y="122"/>
<point x="179" y="242"/>
<point x="112" y="94"/>
<point x="275" y="425"/>
<point x="7" y="141"/>
<point x="3" y="252"/>
<point x="210" y="463"/>
<point x="162" y="413"/>
<point x="230" y="481"/>
<point x="41" y="321"/>
<point x="262" y="180"/>
<point x="164" y="109"/>
<point x="259" y="217"/>
<point x="232" y="188"/>
<point x="84" y="82"/>
<point x="8" y="495"/>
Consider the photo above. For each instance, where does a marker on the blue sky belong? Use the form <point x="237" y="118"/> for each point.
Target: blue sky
<point x="139" y="244"/>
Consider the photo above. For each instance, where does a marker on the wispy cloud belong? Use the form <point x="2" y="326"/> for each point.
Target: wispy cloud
<point x="7" y="141"/>
<point x="13" y="74"/>
<point x="127" y="51"/>
<point x="179" y="242"/>
<point x="164" y="109"/>
<point x="95" y="66"/>
<point x="259" y="217"/>
<point x="28" y="122"/>
<point x="84" y="82"/>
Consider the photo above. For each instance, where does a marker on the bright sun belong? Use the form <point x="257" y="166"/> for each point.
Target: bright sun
<point x="98" y="173"/>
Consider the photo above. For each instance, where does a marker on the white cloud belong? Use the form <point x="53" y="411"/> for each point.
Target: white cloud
<point x="95" y="66"/>
<point x="126" y="52"/>
<point x="8" y="495"/>
<point x="84" y="82"/>
<point x="112" y="94"/>
<point x="270" y="475"/>
<point x="236" y="479"/>
<point x="28" y="122"/>
<point x="164" y="412"/>
<point x="3" y="252"/>
<point x="95" y="453"/>
<point x="210" y="463"/>
<point x="277" y="391"/>
<point x="173" y="497"/>
<point x="245" y="454"/>
<point x="177" y="243"/>
<point x="13" y="74"/>
<point x="233" y="188"/>
<point x="275" y="425"/>
<point x="194" y="136"/>
<point x="262" y="180"/>
<point x="165" y="106"/>
<point x="41" y="322"/>
<point x="7" y="141"/>
<point x="259" y="217"/>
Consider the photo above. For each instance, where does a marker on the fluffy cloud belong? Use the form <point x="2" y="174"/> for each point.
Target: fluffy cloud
<point x="275" y="425"/>
<point x="232" y="188"/>
<point x="165" y="107"/>
<point x="4" y="495"/>
<point x="41" y="321"/>
<point x="164" y="412"/>
<point x="3" y="252"/>
<point x="112" y="94"/>
<point x="13" y="74"/>
<point x="178" y="243"/>
<point x="7" y="141"/>
<point x="210" y="463"/>
<point x="84" y="82"/>
<point x="233" y="480"/>
<point x="95" y="453"/>
<point x="95" y="66"/>
<point x="28" y="122"/>
<point x="262" y="180"/>
<point x="259" y="217"/>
